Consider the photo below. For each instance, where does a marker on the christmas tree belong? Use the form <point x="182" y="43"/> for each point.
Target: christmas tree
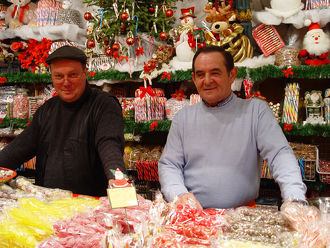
<point x="129" y="19"/>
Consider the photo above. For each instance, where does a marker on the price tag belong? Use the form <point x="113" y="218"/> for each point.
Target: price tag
<point x="122" y="197"/>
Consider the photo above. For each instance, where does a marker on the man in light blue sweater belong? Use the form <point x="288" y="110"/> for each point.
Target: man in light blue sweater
<point x="212" y="150"/>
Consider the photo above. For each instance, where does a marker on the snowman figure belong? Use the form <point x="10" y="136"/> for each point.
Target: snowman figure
<point x="184" y="52"/>
<point x="285" y="8"/>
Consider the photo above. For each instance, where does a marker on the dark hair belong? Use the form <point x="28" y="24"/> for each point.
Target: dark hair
<point x="229" y="62"/>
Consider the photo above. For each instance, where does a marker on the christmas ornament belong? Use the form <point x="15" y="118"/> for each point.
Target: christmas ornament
<point x="169" y="13"/>
<point x="163" y="35"/>
<point x="130" y="41"/>
<point x="151" y="10"/>
<point x="115" y="46"/>
<point x="108" y="51"/>
<point x="315" y="45"/>
<point x="122" y="28"/>
<point x="105" y="41"/>
<point x="87" y="16"/>
<point x="124" y="16"/>
<point x="91" y="44"/>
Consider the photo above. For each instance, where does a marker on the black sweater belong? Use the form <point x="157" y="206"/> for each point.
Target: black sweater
<point x="76" y="144"/>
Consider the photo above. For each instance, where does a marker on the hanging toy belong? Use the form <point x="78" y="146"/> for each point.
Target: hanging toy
<point x="87" y="16"/>
<point x="163" y="35"/>
<point x="124" y="16"/>
<point x="169" y="13"/>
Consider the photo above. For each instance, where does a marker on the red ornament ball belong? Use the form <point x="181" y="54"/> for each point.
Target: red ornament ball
<point x="163" y="35"/>
<point x="90" y="43"/>
<point x="151" y="9"/>
<point x="87" y="16"/>
<point x="130" y="41"/>
<point x="169" y="13"/>
<point x="122" y="28"/>
<point x="105" y="41"/>
<point x="115" y="46"/>
<point x="124" y="16"/>
<point x="108" y="51"/>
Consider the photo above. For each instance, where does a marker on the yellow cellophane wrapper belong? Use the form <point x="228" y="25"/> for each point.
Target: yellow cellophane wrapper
<point x="32" y="221"/>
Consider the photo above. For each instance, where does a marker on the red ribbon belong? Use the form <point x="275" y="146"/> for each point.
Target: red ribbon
<point x="153" y="125"/>
<point x="3" y="80"/>
<point x="91" y="74"/>
<point x="166" y="75"/>
<point x="29" y="122"/>
<point x="288" y="72"/>
<point x="148" y="90"/>
<point x="21" y="16"/>
<point x="123" y="57"/>
<point x="139" y="51"/>
<point x="287" y="127"/>
<point x="179" y="94"/>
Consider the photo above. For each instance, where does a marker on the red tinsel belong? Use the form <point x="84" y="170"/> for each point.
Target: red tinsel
<point x="92" y="74"/>
<point x="166" y="75"/>
<point x="153" y="125"/>
<point x="35" y="54"/>
<point x="288" y="72"/>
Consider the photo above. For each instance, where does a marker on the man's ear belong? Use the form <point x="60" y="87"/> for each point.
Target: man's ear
<point x="233" y="73"/>
<point x="193" y="76"/>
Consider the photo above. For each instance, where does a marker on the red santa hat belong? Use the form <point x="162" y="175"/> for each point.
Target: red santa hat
<point x="312" y="25"/>
<point x="188" y="12"/>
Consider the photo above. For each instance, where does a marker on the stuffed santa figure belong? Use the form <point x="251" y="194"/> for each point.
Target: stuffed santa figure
<point x="316" y="45"/>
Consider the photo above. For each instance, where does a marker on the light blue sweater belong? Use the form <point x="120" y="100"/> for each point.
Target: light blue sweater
<point x="213" y="152"/>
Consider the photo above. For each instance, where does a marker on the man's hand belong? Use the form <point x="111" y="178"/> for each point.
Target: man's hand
<point x="189" y="199"/>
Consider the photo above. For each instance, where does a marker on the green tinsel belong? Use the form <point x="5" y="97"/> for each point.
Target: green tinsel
<point x="256" y="74"/>
<point x="144" y="127"/>
<point x="303" y="71"/>
<point x="26" y="77"/>
<point x="16" y="123"/>
<point x="308" y="130"/>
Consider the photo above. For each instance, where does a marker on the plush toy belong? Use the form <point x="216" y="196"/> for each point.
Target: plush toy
<point x="316" y="45"/>
<point x="21" y="12"/>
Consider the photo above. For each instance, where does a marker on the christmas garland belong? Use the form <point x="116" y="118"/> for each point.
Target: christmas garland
<point x="256" y="74"/>
<point x="16" y="123"/>
<point x="164" y="125"/>
<point x="306" y="130"/>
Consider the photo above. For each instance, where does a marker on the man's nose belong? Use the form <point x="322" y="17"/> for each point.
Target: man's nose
<point x="207" y="79"/>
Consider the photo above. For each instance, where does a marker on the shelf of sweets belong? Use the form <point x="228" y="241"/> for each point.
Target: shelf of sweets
<point x="255" y="74"/>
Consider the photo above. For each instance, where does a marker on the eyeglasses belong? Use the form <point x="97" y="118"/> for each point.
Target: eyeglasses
<point x="61" y="77"/>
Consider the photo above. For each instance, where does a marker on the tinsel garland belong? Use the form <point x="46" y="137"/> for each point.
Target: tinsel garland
<point x="130" y="126"/>
<point x="308" y="130"/>
<point x="164" y="125"/>
<point x="26" y="77"/>
<point x="256" y="74"/>
<point x="16" y="123"/>
<point x="303" y="71"/>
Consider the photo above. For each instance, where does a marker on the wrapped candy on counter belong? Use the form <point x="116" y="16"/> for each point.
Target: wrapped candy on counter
<point x="309" y="222"/>
<point x="51" y="194"/>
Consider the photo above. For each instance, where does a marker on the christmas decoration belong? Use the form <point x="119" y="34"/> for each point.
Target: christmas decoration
<point x="105" y="41"/>
<point x="224" y="34"/>
<point x="115" y="46"/>
<point x="151" y="10"/>
<point x="21" y="13"/>
<point x="108" y="51"/>
<point x="124" y="16"/>
<point x="135" y="15"/>
<point x="130" y="41"/>
<point x="90" y="43"/>
<point x="169" y="13"/>
<point x="327" y="105"/>
<point x="267" y="38"/>
<point x="285" y="8"/>
<point x="314" y="107"/>
<point x="69" y="15"/>
<point x="291" y="102"/>
<point x="87" y="16"/>
<point x="35" y="54"/>
<point x="316" y="45"/>
<point x="3" y="10"/>
<point x="163" y="35"/>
